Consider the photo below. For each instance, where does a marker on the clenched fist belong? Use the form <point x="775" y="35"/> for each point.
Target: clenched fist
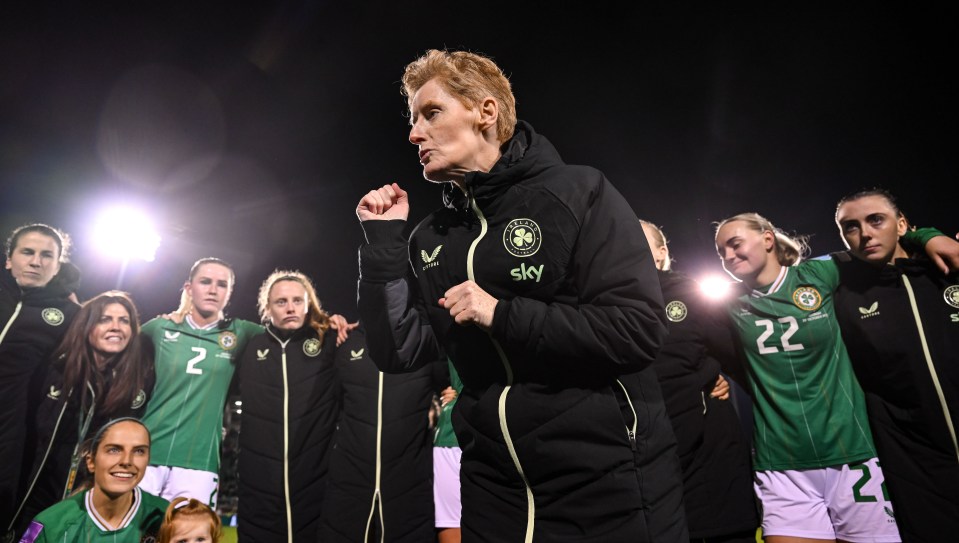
<point x="386" y="203"/>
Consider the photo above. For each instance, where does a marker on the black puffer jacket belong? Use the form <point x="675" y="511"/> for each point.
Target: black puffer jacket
<point x="290" y="406"/>
<point x="32" y="322"/>
<point x="60" y="426"/>
<point x="717" y="469"/>
<point x="900" y="324"/>
<point x="561" y="419"/>
<point x="382" y="459"/>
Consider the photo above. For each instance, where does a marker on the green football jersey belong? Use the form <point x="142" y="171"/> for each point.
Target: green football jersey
<point x="444" y="436"/>
<point x="75" y="520"/>
<point x="194" y="368"/>
<point x="809" y="411"/>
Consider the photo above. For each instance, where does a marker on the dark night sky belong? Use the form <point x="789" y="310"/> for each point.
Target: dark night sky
<point x="250" y="133"/>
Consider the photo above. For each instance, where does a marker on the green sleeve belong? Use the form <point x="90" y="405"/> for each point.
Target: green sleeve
<point x="824" y="270"/>
<point x="150" y="327"/>
<point x="249" y="329"/>
<point x="916" y="240"/>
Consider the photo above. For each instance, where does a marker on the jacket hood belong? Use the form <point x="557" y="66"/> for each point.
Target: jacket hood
<point x="64" y="283"/>
<point x="525" y="155"/>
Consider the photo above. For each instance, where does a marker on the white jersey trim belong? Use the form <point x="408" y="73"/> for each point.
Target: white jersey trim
<point x="101" y="523"/>
<point x="780" y="279"/>
<point x="195" y="326"/>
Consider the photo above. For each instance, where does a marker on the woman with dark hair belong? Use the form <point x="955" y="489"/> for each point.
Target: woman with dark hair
<point x="114" y="509"/>
<point x="899" y="316"/>
<point x="35" y="307"/>
<point x="99" y="372"/>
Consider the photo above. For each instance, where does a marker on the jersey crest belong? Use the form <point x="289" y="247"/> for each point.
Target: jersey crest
<point x="807" y="298"/>
<point x="139" y="400"/>
<point x="951" y="295"/>
<point x="52" y="316"/>
<point x="227" y="340"/>
<point x="676" y="311"/>
<point x="522" y="237"/>
<point x="311" y="347"/>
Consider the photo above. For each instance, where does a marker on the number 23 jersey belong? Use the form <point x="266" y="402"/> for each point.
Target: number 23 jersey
<point x="809" y="410"/>
<point x="194" y="368"/>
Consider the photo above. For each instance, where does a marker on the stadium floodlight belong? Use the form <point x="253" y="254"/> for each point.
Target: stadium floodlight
<point x="715" y="287"/>
<point x="126" y="234"/>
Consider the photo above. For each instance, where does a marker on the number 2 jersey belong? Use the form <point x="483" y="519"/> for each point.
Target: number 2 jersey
<point x="809" y="410"/>
<point x="194" y="368"/>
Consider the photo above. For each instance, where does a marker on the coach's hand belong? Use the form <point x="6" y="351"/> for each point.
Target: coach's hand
<point x="469" y="304"/>
<point x="386" y="203"/>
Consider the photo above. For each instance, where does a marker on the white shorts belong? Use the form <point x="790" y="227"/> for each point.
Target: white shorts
<point x="446" y="486"/>
<point x="847" y="502"/>
<point x="170" y="482"/>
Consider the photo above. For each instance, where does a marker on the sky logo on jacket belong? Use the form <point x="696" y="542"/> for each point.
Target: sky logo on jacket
<point x="524" y="273"/>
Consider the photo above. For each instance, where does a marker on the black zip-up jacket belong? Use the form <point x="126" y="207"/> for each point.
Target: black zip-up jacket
<point x="290" y="406"/>
<point x="900" y="324"/>
<point x="713" y="451"/>
<point x="32" y="321"/>
<point x="58" y="431"/>
<point x="380" y="486"/>
<point x="561" y="419"/>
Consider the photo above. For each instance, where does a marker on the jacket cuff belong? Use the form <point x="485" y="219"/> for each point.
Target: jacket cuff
<point x="384" y="232"/>
<point x="500" y="318"/>
<point x="385" y="256"/>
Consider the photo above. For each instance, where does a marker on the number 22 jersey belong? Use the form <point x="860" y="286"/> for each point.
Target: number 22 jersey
<point x="809" y="410"/>
<point x="194" y="368"/>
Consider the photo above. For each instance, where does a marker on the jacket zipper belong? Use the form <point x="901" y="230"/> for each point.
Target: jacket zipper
<point x="3" y="335"/>
<point x="13" y="317"/>
<point x="932" y="368"/>
<point x="630" y="432"/>
<point x="530" y="504"/>
<point x="286" y="438"/>
<point x="377" y="495"/>
<point x="43" y="463"/>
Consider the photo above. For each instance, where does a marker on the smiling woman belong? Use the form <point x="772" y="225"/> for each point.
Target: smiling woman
<point x="99" y="372"/>
<point x="114" y="509"/>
